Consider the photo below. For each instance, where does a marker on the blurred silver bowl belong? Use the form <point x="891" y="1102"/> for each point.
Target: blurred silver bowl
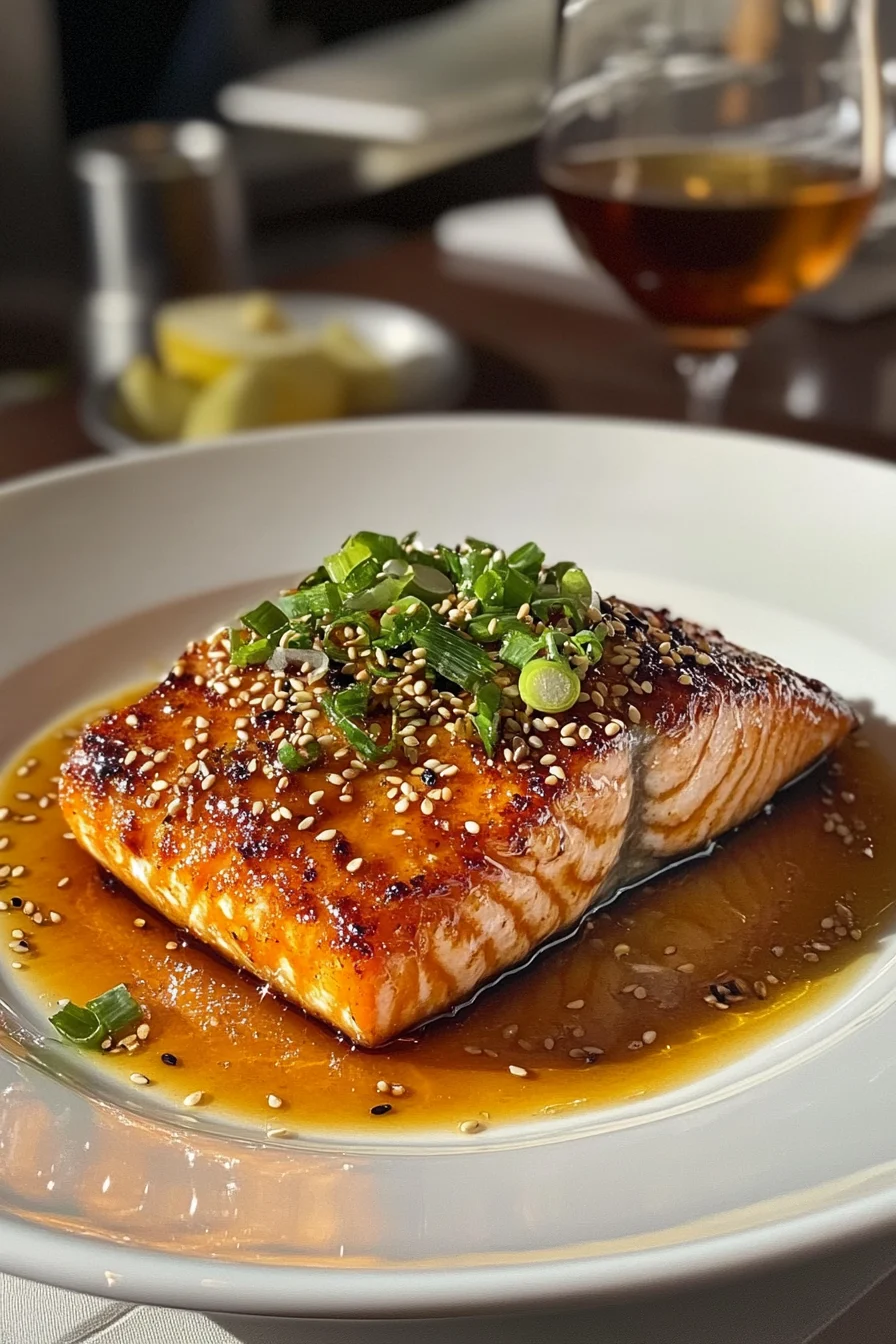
<point x="430" y="366"/>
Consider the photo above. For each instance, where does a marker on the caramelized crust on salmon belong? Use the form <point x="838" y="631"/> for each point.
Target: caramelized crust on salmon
<point x="376" y="896"/>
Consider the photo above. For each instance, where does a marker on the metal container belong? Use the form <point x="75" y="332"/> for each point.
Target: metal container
<point x="163" y="217"/>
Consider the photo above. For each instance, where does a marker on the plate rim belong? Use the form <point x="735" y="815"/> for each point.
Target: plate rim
<point x="103" y="461"/>
<point x="392" y="1292"/>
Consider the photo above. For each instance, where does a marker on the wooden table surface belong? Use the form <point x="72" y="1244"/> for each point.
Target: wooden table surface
<point x="804" y="378"/>
<point x="838" y="381"/>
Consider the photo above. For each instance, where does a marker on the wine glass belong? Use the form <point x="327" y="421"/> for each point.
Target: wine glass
<point x="717" y="157"/>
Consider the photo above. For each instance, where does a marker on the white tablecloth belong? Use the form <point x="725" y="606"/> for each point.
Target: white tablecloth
<point x="850" y="1299"/>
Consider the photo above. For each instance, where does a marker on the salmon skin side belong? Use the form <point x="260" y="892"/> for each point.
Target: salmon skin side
<point x="376" y="896"/>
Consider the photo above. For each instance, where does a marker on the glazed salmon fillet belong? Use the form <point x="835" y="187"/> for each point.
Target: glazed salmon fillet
<point x="377" y="891"/>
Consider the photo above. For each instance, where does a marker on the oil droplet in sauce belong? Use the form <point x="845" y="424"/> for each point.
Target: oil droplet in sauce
<point x="679" y="976"/>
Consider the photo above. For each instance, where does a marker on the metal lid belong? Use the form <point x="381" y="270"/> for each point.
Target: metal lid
<point x="150" y="151"/>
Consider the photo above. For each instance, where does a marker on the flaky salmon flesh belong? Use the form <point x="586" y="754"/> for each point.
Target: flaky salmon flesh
<point x="376" y="895"/>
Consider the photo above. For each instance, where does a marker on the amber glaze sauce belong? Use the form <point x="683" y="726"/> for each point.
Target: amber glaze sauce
<point x="778" y="912"/>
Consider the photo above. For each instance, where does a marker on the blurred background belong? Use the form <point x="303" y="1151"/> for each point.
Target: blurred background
<point x="317" y="187"/>
<point x="352" y="127"/>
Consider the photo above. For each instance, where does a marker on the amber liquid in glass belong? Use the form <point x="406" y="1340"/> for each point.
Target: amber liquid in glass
<point x="709" y="243"/>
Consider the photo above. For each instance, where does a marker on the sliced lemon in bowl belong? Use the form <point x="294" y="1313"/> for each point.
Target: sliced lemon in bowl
<point x="199" y="339"/>
<point x="260" y="394"/>
<point x="151" y="403"/>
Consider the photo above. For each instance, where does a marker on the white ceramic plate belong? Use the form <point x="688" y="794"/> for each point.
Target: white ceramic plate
<point x="787" y="1150"/>
<point x="429" y="364"/>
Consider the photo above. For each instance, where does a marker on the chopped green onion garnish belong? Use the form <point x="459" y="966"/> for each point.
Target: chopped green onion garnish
<point x="549" y="685"/>
<point x="589" y="643"/>
<point x="294" y="758"/>
<point x="356" y="620"/>
<point x="79" y="1027"/>
<point x="362" y="576"/>
<point x="402" y="622"/>
<point x="576" y="585"/>
<point x="451" y="563"/>
<point x="315" y="601"/>
<point x="382" y="595"/>
<point x="472" y="565"/>
<point x="116" y="1009"/>
<point x="489" y="588"/>
<point x="380" y="545"/>
<point x="265" y="619"/>
<point x="342" y="709"/>
<point x="485" y="715"/>
<point x="246" y="653"/>
<point x="429" y="583"/>
<point x="454" y="658"/>
<point x="528" y="557"/>
<point x="353" y="701"/>
<point x="518" y="588"/>
<point x="520" y="647"/>
<point x="341" y="564"/>
<point x="377" y="597"/>
<point x="493" y="626"/>
<point x="102" y="1017"/>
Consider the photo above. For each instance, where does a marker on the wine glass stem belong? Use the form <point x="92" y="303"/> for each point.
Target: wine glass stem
<point x="707" y="378"/>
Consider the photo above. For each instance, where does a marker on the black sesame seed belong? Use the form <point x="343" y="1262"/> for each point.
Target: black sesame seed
<point x="383" y="1109"/>
<point x="430" y="778"/>
<point x="16" y="902"/>
<point x="169" y="1059"/>
<point x="395" y="890"/>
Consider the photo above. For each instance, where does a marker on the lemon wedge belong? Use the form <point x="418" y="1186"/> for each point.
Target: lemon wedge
<point x="151" y="403"/>
<point x="371" y="385"/>
<point x="199" y="339"/>
<point x="263" y="393"/>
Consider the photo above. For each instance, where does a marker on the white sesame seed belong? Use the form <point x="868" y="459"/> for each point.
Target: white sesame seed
<point x="649" y="1037"/>
<point x="143" y="1031"/>
<point x="140" y="1079"/>
<point x="194" y="1098"/>
<point x="518" y="1071"/>
<point x="472" y="827"/>
<point x="329" y="834"/>
<point x="353" y="865"/>
<point x="576" y="1004"/>
<point x="274" y="1101"/>
<point x="469" y="1126"/>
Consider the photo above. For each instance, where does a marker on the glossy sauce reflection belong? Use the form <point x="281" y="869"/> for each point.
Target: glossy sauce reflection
<point x="676" y="978"/>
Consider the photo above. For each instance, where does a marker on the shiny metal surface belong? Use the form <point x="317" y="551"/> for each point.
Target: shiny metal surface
<point x="162" y="217"/>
